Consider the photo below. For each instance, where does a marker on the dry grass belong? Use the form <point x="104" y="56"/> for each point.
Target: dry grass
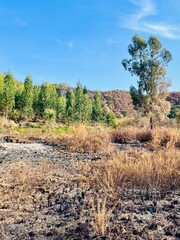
<point x="158" y="138"/>
<point x="99" y="215"/>
<point x="22" y="185"/>
<point x="146" y="172"/>
<point x="87" y="139"/>
<point x="6" y="123"/>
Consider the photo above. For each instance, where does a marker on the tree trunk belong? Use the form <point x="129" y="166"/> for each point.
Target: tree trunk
<point x="151" y="123"/>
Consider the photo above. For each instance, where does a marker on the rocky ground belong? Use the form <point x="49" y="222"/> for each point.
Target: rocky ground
<point x="61" y="208"/>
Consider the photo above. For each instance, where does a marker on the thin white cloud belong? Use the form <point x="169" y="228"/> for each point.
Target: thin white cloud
<point x="138" y="20"/>
<point x="69" y="44"/>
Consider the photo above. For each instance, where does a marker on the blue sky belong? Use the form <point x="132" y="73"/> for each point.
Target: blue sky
<point x="86" y="40"/>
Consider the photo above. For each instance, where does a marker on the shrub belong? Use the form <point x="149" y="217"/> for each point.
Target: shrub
<point x="49" y="115"/>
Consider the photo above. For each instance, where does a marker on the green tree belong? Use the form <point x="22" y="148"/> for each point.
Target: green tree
<point x="61" y="108"/>
<point x="70" y="105"/>
<point x="79" y="102"/>
<point x="47" y="98"/>
<point x="148" y="61"/>
<point x="110" y="119"/>
<point x="8" y="94"/>
<point x="36" y="93"/>
<point x="97" y="108"/>
<point x="85" y="90"/>
<point x="49" y="115"/>
<point x="1" y="91"/>
<point x="87" y="108"/>
<point x="18" y="95"/>
<point x="27" y="98"/>
<point x="174" y="111"/>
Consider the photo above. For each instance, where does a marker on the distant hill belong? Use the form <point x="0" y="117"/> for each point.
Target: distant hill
<point x="174" y="98"/>
<point x="119" y="100"/>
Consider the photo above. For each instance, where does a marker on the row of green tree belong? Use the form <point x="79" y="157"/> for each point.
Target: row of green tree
<point x="27" y="101"/>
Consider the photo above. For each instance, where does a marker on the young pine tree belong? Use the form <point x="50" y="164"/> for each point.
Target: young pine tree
<point x="27" y="98"/>
<point x="1" y="91"/>
<point x="8" y="94"/>
<point x="97" y="109"/>
<point x="79" y="103"/>
<point x="110" y="119"/>
<point x="70" y="105"/>
<point x="87" y="108"/>
<point x="47" y="98"/>
<point x="61" y="108"/>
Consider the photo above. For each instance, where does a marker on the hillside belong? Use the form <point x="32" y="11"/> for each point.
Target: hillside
<point x="119" y="100"/>
<point x="174" y="98"/>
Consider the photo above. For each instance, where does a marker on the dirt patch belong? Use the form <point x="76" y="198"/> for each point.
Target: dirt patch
<point x="52" y="204"/>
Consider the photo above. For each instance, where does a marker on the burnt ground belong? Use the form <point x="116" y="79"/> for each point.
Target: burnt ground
<point x="62" y="209"/>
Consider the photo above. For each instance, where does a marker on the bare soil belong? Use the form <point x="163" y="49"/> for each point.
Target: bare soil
<point x="63" y="210"/>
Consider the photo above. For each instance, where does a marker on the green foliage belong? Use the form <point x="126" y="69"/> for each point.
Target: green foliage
<point x="47" y="98"/>
<point x="8" y="93"/>
<point x="49" y="115"/>
<point x="27" y="98"/>
<point x="36" y="94"/>
<point x="87" y="108"/>
<point x="18" y="95"/>
<point x="79" y="103"/>
<point x="174" y="112"/>
<point x="1" y="91"/>
<point x="50" y="102"/>
<point x="148" y="61"/>
<point x="70" y="105"/>
<point x="111" y="119"/>
<point x="97" y="109"/>
<point x="61" y="108"/>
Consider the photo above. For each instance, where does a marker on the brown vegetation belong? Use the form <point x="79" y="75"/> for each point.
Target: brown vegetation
<point x="101" y="194"/>
<point x="156" y="139"/>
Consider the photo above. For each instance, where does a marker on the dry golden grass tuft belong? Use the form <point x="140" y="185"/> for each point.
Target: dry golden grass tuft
<point x="99" y="215"/>
<point x="166" y="138"/>
<point x="158" y="138"/>
<point x="87" y="139"/>
<point x="6" y="123"/>
<point x="131" y="134"/>
<point x="146" y="172"/>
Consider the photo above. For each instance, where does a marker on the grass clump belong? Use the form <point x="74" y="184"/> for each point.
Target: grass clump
<point x="156" y="139"/>
<point x="143" y="171"/>
<point x="87" y="139"/>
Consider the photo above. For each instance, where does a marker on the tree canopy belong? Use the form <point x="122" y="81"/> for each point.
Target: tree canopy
<point x="148" y="62"/>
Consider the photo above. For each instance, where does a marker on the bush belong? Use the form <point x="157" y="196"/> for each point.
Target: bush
<point x="50" y="115"/>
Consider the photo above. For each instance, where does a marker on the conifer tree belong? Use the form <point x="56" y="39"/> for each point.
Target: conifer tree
<point x="97" y="110"/>
<point x="87" y="108"/>
<point x="79" y="102"/>
<point x="70" y="105"/>
<point x="85" y="90"/>
<point x="18" y="95"/>
<point x="27" y="98"/>
<point x="47" y="98"/>
<point x="1" y="91"/>
<point x="61" y="108"/>
<point x="110" y="119"/>
<point x="36" y="93"/>
<point x="8" y="94"/>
